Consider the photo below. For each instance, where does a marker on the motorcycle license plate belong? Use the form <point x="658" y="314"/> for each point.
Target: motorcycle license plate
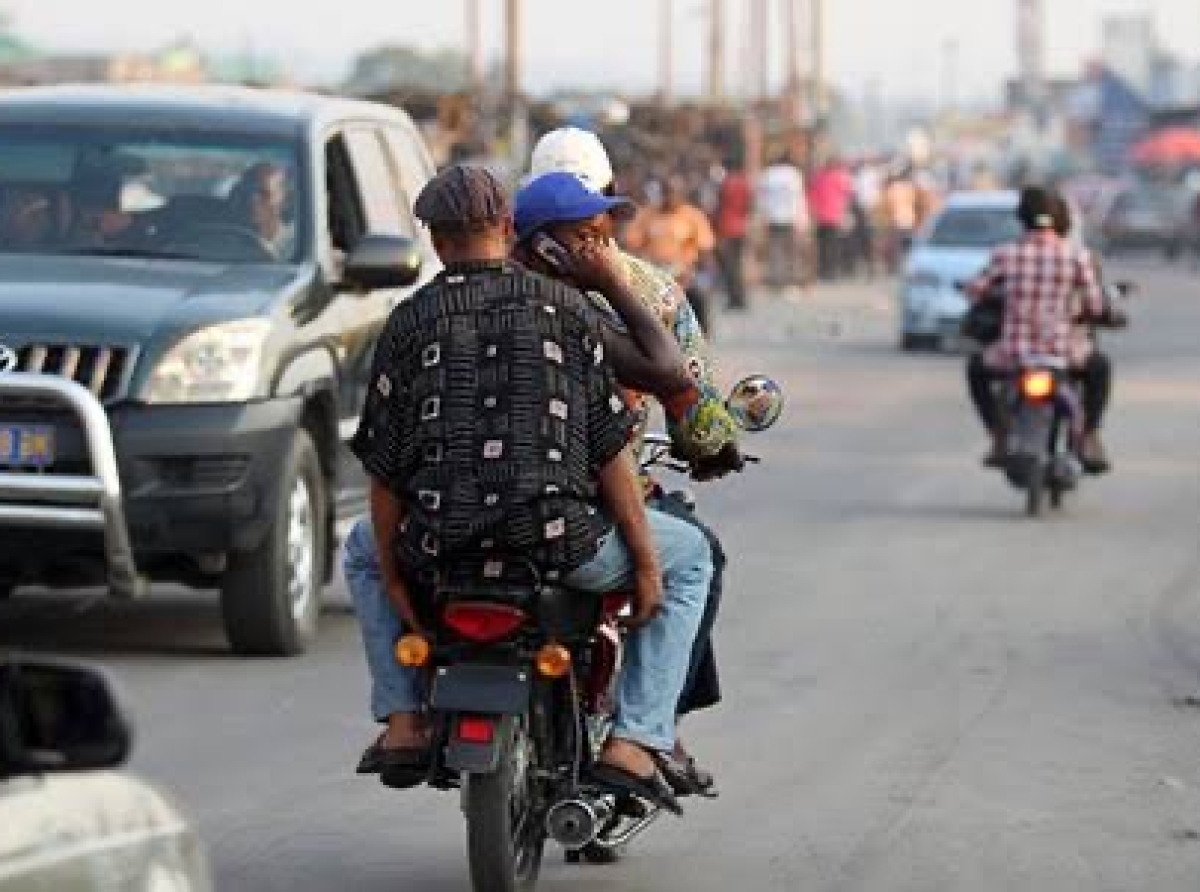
<point x="475" y="687"/>
<point x="26" y="446"/>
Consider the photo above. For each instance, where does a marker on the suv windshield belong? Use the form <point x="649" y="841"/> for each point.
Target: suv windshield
<point x="974" y="228"/>
<point x="139" y="192"/>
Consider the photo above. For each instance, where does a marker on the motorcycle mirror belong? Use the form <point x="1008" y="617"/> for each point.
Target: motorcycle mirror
<point x="755" y="403"/>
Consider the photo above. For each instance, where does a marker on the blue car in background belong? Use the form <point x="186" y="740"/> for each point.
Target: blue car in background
<point x="952" y="248"/>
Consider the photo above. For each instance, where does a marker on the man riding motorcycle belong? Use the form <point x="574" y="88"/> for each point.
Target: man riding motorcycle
<point x="701" y="429"/>
<point x="433" y="438"/>
<point x="1046" y="283"/>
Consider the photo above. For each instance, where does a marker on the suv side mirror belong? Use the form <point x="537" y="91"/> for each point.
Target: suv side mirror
<point x="57" y="716"/>
<point x="383" y="261"/>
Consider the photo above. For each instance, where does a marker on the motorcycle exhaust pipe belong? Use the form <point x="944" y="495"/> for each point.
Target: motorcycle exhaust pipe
<point x="575" y="823"/>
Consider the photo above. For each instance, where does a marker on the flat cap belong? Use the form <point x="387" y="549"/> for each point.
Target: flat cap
<point x="463" y="196"/>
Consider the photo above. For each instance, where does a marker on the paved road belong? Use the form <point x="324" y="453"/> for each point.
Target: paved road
<point x="926" y="691"/>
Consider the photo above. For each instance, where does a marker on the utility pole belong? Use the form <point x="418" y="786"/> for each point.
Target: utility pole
<point x="818" y="58"/>
<point x="513" y="70"/>
<point x="716" y="51"/>
<point x="474" y="29"/>
<point x="1031" y="47"/>
<point x="666" y="51"/>
<point x="760" y="50"/>
<point x="793" y="89"/>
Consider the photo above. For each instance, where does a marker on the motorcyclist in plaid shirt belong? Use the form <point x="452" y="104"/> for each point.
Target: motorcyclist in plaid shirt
<point x="1047" y="282"/>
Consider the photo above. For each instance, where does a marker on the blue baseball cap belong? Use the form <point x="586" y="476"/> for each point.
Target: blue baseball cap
<point x="560" y="198"/>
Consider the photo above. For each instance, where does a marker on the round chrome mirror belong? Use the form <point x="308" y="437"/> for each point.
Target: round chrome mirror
<point x="755" y="403"/>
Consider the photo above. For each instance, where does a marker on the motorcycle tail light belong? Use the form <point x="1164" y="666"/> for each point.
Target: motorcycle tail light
<point x="1037" y="385"/>
<point x="475" y="729"/>
<point x="553" y="661"/>
<point x="483" y="622"/>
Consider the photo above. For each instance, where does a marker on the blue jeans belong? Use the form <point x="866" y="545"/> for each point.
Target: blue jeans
<point x="656" y="656"/>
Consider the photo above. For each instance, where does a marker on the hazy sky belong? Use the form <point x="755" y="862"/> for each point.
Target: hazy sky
<point x="898" y="43"/>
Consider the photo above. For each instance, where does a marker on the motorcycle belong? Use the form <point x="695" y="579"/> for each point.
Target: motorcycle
<point x="1039" y="405"/>
<point x="520" y="690"/>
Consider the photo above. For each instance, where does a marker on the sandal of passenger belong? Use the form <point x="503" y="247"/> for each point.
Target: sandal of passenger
<point x="685" y="776"/>
<point x="403" y="768"/>
<point x="617" y="780"/>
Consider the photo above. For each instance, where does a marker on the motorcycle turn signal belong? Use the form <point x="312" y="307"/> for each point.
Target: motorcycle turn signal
<point x="412" y="651"/>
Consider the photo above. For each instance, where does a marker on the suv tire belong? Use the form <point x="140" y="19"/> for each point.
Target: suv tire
<point x="271" y="597"/>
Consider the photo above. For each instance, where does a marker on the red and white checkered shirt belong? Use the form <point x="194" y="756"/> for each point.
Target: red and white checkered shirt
<point x="1046" y="282"/>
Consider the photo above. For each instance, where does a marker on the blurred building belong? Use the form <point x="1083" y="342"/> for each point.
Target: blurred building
<point x="182" y="62"/>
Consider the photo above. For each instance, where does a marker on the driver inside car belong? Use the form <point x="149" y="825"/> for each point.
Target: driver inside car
<point x="259" y="201"/>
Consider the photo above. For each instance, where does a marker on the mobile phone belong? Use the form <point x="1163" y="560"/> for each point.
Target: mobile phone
<point x="551" y="251"/>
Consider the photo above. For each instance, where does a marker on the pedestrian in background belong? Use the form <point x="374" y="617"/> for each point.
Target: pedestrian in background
<point x="781" y="203"/>
<point x="735" y="205"/>
<point x="829" y="196"/>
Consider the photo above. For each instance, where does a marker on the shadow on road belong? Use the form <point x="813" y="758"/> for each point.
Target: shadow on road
<point x="169" y="623"/>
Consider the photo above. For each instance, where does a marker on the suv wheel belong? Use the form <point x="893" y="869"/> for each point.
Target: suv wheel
<point x="271" y="597"/>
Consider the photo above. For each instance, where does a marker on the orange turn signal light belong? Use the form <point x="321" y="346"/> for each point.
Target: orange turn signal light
<point x="1037" y="385"/>
<point x="553" y="661"/>
<point x="412" y="651"/>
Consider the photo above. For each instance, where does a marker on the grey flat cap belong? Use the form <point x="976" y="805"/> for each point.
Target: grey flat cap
<point x="463" y="197"/>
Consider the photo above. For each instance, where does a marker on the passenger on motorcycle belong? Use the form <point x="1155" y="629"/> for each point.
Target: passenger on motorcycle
<point x="493" y="429"/>
<point x="1094" y="375"/>
<point x="702" y="431"/>
<point x="1046" y="282"/>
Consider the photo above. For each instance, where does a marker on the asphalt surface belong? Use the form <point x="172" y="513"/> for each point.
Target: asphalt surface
<point x="924" y="689"/>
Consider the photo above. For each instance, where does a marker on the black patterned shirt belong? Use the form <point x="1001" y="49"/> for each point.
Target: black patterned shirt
<point x="490" y="411"/>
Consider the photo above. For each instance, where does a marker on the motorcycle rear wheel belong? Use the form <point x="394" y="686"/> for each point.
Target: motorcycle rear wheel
<point x="1035" y="486"/>
<point x="504" y="846"/>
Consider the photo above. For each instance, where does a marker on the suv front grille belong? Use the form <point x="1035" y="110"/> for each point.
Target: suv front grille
<point x="102" y="370"/>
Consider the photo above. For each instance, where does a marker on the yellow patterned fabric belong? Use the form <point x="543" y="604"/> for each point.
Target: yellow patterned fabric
<point x="707" y="426"/>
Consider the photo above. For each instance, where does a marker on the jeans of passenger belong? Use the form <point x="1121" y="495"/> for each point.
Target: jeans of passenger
<point x="394" y="689"/>
<point x="656" y="656"/>
<point x="702" y="690"/>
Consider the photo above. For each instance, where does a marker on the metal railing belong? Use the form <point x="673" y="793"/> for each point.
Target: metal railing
<point x="72" y="501"/>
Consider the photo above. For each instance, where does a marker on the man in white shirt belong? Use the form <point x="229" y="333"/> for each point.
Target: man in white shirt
<point x="782" y="203"/>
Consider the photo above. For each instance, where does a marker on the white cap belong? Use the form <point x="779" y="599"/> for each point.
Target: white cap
<point x="574" y="151"/>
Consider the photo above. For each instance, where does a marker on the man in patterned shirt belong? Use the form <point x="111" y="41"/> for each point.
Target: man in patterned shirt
<point x="1044" y="279"/>
<point x="494" y="428"/>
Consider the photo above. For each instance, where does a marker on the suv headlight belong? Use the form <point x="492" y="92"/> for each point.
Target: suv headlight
<point x="218" y="364"/>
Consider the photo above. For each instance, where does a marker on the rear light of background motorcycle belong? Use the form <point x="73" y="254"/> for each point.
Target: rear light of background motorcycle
<point x="412" y="651"/>
<point x="553" y="661"/>
<point x="1037" y="385"/>
<point x="483" y="622"/>
<point x="475" y="729"/>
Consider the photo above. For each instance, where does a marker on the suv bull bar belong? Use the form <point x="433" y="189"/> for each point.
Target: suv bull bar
<point x="74" y="501"/>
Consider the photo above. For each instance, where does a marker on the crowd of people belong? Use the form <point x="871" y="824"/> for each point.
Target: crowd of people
<point x="713" y="223"/>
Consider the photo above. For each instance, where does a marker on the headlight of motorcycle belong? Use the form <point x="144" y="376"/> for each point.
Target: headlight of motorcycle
<point x="218" y="364"/>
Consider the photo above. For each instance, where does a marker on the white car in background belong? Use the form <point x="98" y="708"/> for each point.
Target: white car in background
<point x="951" y="249"/>
<point x="68" y="823"/>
